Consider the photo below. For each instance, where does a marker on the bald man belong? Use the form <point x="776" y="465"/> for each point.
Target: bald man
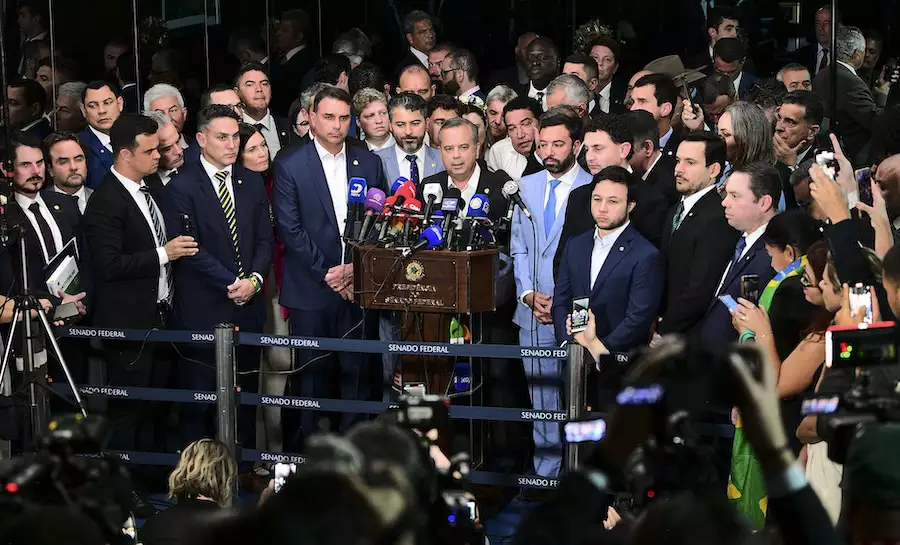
<point x="887" y="177"/>
<point x="517" y="74"/>
<point x="416" y="79"/>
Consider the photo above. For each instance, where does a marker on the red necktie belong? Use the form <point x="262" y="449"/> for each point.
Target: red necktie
<point x="824" y="62"/>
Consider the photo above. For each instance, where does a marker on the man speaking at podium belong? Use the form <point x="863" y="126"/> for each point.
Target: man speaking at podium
<point x="311" y="209"/>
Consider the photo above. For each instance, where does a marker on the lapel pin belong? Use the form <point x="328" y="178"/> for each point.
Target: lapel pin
<point x="487" y="190"/>
<point x="56" y="207"/>
<point x="621" y="248"/>
<point x="240" y="182"/>
<point x="355" y="163"/>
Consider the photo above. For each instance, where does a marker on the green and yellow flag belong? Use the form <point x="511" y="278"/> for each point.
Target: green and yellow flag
<point x="746" y="484"/>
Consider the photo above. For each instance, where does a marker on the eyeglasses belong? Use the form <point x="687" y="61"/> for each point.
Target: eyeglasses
<point x="806" y="283"/>
<point x="445" y="72"/>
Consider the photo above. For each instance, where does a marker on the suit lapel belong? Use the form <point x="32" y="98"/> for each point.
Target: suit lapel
<point x="432" y="162"/>
<point x="319" y="182"/>
<point x="134" y="210"/>
<point x="212" y="199"/>
<point x="242" y="213"/>
<point x="616" y="254"/>
<point x="739" y="267"/>
<point x="580" y="179"/>
<point x="393" y="170"/>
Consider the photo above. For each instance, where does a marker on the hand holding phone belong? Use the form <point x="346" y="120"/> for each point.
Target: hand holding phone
<point x="861" y="296"/>
<point x="729" y="302"/>
<point x="580" y="314"/>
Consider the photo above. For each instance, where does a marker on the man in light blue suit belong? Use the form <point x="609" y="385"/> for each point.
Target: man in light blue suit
<point x="532" y="247"/>
<point x="409" y="158"/>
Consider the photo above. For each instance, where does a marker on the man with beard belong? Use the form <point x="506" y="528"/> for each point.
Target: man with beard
<point x="532" y="248"/>
<point x="459" y="74"/>
<point x="619" y="270"/>
<point x="409" y="158"/>
<point x="517" y="154"/>
<point x="68" y="166"/>
<point x="253" y="86"/>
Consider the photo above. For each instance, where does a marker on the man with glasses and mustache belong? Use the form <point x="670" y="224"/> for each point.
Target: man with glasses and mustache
<point x="68" y="166"/>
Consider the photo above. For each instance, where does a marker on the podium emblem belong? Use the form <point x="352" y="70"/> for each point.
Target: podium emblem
<point x="415" y="271"/>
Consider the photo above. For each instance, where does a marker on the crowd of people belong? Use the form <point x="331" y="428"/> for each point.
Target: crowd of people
<point x="692" y="198"/>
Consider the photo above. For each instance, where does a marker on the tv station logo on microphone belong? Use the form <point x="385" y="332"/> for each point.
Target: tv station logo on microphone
<point x="357" y="189"/>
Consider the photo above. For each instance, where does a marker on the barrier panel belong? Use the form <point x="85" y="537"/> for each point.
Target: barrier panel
<point x="226" y="404"/>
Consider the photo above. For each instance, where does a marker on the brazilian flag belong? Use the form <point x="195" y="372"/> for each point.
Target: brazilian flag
<point x="746" y="484"/>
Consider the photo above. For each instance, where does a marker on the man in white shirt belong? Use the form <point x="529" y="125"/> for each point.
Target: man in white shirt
<point x="420" y="35"/>
<point x="516" y="154"/>
<point x="605" y="52"/>
<point x="101" y="105"/>
<point x="372" y="114"/>
<point x="409" y="157"/>
<point x="542" y="57"/>
<point x="255" y="90"/>
<point x="68" y="167"/>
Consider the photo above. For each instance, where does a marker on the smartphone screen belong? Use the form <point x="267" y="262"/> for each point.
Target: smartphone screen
<point x="864" y="181"/>
<point x="282" y="472"/>
<point x="473" y="513"/>
<point x="586" y="431"/>
<point x="580" y="314"/>
<point x="729" y="302"/>
<point x="750" y="288"/>
<point x="861" y="296"/>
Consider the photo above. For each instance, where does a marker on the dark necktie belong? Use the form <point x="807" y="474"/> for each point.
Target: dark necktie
<point x="540" y="98"/>
<point x="44" y="227"/>
<point x="160" y="233"/>
<point x="676" y="219"/>
<point x="228" y="208"/>
<point x="824" y="62"/>
<point x="413" y="169"/>
<point x="738" y="250"/>
<point x="260" y="127"/>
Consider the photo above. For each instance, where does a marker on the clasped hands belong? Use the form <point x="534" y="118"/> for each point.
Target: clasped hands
<point x="340" y="279"/>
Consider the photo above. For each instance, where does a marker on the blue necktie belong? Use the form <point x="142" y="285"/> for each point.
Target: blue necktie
<point x="550" y="208"/>
<point x="413" y="169"/>
<point x="738" y="250"/>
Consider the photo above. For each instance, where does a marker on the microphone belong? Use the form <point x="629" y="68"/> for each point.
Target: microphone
<point x="356" y="195"/>
<point x="479" y="207"/>
<point x="412" y="206"/>
<point x="450" y="205"/>
<point x="392" y="203"/>
<point x="373" y="204"/>
<point x="407" y="189"/>
<point x="432" y="237"/>
<point x="432" y="192"/>
<point x="511" y="191"/>
<point x="397" y="183"/>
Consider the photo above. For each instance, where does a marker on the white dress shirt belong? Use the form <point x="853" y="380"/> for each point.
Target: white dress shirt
<point x="533" y="93"/>
<point x="691" y="200"/>
<point x="102" y="137"/>
<point x="750" y="239"/>
<point x="387" y="143"/>
<point x="182" y="141"/>
<point x="652" y="165"/>
<point x="423" y="57"/>
<point x="602" y="247"/>
<point x="269" y="131"/>
<point x="470" y="189"/>
<point x="664" y="139"/>
<point x="820" y="51"/>
<point x="292" y="52"/>
<point x="603" y="97"/>
<point x="335" y="167"/>
<point x="470" y="92"/>
<point x="166" y="175"/>
<point x="561" y="192"/>
<point x="80" y="196"/>
<point x="404" y="165"/>
<point x="503" y="156"/>
<point x="24" y="201"/>
<point x="134" y="189"/>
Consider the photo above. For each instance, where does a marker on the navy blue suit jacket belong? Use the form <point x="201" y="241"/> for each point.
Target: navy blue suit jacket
<point x="748" y="80"/>
<point x="99" y="159"/>
<point x="625" y="296"/>
<point x="304" y="214"/>
<point x="201" y="294"/>
<point x="716" y="331"/>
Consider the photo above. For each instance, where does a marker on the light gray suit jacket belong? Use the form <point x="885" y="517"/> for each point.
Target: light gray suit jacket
<point x="388" y="156"/>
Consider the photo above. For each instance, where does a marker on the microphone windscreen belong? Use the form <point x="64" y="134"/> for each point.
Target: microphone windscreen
<point x="375" y="199"/>
<point x="434" y="190"/>
<point x="408" y="190"/>
<point x="479" y="206"/>
<point x="433" y="235"/>
<point x="510" y="188"/>
<point x="413" y="205"/>
<point x="453" y="192"/>
<point x="397" y="183"/>
<point x="356" y="190"/>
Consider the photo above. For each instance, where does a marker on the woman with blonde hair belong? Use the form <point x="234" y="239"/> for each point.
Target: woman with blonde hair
<point x="202" y="484"/>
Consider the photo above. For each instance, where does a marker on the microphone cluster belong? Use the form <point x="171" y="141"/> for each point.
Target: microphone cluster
<point x="403" y="221"/>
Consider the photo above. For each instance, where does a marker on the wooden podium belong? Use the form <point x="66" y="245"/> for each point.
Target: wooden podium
<point x="429" y="281"/>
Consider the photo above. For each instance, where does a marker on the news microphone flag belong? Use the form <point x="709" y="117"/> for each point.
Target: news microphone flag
<point x="397" y="183"/>
<point x="357" y="190"/>
<point x="479" y="206"/>
<point x="374" y="200"/>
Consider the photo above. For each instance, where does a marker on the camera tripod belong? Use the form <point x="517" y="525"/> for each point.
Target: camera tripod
<point x="24" y="303"/>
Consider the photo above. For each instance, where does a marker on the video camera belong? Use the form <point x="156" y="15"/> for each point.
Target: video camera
<point x="863" y="351"/>
<point x="69" y="469"/>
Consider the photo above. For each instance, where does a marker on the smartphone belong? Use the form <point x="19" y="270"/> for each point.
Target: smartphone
<point x="67" y="312"/>
<point x="580" y="314"/>
<point x="588" y="431"/>
<point x="187" y="226"/>
<point x="750" y="287"/>
<point x="729" y="302"/>
<point x="861" y="296"/>
<point x="864" y="182"/>
<point x="282" y="472"/>
<point x="473" y="512"/>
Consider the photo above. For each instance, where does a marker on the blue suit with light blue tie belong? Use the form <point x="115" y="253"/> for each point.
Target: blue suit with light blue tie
<point x="388" y="156"/>
<point x="532" y="248"/>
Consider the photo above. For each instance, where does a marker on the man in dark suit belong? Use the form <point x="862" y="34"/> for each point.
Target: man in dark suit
<point x="27" y="102"/>
<point x="657" y="94"/>
<point x="697" y="240"/>
<point x="542" y="58"/>
<point x="729" y="58"/>
<point x="253" y="87"/>
<point x="751" y="200"/>
<point x="797" y="123"/>
<point x="609" y="96"/>
<point x="584" y="67"/>
<point x="517" y="74"/>
<point x="857" y="106"/>
<point x="168" y="100"/>
<point x="294" y="61"/>
<point x="311" y="211"/>
<point x="418" y="27"/>
<point x="101" y="105"/>
<point x="721" y="22"/>
<point x="459" y="76"/>
<point x="229" y="214"/>
<point x="608" y="142"/>
<point x="816" y="56"/>
<point x="127" y="80"/>
<point x="614" y="266"/>
<point x="131" y="256"/>
<point x="647" y="160"/>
